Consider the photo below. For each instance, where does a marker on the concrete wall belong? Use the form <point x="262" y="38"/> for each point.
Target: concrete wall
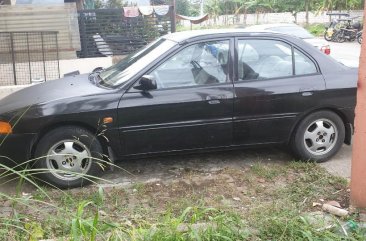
<point x="7" y="90"/>
<point x="85" y="65"/>
<point x="252" y="19"/>
<point x="62" y="18"/>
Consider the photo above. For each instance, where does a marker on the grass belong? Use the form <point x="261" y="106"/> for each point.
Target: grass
<point x="263" y="201"/>
<point x="316" y="29"/>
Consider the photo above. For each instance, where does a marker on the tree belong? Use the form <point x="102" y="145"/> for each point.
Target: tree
<point x="212" y="7"/>
<point x="182" y="7"/>
<point x="292" y="6"/>
<point x="114" y="4"/>
<point x="98" y="4"/>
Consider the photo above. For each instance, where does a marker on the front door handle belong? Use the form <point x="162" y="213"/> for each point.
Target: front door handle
<point x="214" y="102"/>
<point x="306" y="91"/>
<point x="214" y="99"/>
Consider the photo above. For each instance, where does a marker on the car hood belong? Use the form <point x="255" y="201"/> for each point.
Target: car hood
<point x="316" y="42"/>
<point x="73" y="86"/>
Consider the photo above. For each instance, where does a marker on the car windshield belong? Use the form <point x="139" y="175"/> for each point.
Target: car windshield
<point x="293" y="30"/>
<point x="121" y="72"/>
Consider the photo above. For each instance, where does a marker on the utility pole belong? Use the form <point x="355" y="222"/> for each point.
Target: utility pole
<point x="174" y="18"/>
<point x="358" y="171"/>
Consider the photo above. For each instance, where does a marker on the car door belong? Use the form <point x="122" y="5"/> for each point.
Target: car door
<point x="275" y="82"/>
<point x="191" y="108"/>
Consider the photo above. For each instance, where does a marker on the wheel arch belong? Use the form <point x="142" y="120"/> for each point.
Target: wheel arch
<point x="346" y="122"/>
<point x="56" y="125"/>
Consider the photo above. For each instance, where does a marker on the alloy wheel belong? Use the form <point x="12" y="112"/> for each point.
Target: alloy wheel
<point x="320" y="137"/>
<point x="68" y="160"/>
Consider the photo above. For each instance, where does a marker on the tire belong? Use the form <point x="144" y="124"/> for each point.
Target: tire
<point x="359" y="39"/>
<point x="318" y="137"/>
<point x="64" y="171"/>
<point x="326" y="37"/>
<point x="339" y="38"/>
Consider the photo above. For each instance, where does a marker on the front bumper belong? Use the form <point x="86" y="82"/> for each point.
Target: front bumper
<point x="16" y="148"/>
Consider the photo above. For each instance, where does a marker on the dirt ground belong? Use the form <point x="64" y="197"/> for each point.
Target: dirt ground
<point x="168" y="168"/>
<point x="252" y="183"/>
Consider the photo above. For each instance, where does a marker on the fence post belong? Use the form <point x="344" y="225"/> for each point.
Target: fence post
<point x="57" y="55"/>
<point x="43" y="58"/>
<point x="83" y="36"/>
<point x="13" y="57"/>
<point x="29" y="60"/>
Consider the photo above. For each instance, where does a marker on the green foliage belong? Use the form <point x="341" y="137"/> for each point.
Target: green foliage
<point x="114" y="4"/>
<point x="98" y="4"/>
<point x="316" y="29"/>
<point x="35" y="231"/>
<point x="221" y="7"/>
<point x="182" y="7"/>
<point x="293" y="6"/>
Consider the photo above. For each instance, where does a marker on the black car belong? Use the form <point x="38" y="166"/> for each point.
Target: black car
<point x="187" y="91"/>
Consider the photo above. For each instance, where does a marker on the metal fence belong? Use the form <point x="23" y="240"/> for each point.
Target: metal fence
<point x="27" y="57"/>
<point x="107" y="32"/>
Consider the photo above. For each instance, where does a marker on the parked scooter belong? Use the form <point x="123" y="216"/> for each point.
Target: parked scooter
<point x="332" y="28"/>
<point x="348" y="32"/>
<point x="359" y="37"/>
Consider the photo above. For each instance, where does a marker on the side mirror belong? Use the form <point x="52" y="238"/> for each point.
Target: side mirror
<point x="146" y="83"/>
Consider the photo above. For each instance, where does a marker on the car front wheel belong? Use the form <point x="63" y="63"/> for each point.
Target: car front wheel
<point x="68" y="157"/>
<point x="319" y="136"/>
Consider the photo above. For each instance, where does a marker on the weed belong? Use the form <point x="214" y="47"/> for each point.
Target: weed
<point x="268" y="172"/>
<point x="139" y="187"/>
<point x="316" y="29"/>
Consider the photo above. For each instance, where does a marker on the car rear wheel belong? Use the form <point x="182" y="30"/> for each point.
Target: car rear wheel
<point x="68" y="157"/>
<point x="319" y="136"/>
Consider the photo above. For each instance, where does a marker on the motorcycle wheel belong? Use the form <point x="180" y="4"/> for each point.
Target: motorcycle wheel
<point x="327" y="37"/>
<point x="340" y="38"/>
<point x="359" y="39"/>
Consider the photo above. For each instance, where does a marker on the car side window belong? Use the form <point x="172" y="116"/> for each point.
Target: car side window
<point x="303" y="65"/>
<point x="264" y="59"/>
<point x="198" y="64"/>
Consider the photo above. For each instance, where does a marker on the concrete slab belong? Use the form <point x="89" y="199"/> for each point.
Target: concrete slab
<point x="340" y="165"/>
<point x="347" y="53"/>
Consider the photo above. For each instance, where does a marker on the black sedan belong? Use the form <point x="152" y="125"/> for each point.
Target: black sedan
<point x="184" y="92"/>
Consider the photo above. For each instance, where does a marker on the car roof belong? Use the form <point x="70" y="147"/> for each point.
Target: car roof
<point x="272" y="25"/>
<point x="187" y="35"/>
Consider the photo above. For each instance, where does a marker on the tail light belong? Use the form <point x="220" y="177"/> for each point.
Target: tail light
<point x="325" y="49"/>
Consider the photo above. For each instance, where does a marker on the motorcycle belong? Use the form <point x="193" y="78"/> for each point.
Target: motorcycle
<point x="330" y="30"/>
<point x="359" y="37"/>
<point x="333" y="26"/>
<point x="347" y="32"/>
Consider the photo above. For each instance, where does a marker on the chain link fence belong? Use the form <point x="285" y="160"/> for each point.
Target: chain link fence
<point x="107" y="32"/>
<point x="28" y="57"/>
